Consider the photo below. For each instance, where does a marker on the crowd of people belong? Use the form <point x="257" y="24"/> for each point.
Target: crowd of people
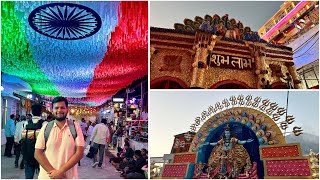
<point x="132" y="164"/>
<point x="105" y="135"/>
<point x="45" y="146"/>
<point x="15" y="131"/>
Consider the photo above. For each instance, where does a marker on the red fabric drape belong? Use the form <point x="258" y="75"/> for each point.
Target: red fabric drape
<point x="127" y="56"/>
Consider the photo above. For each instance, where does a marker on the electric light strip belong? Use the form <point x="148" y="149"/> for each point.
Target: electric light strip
<point x="282" y="20"/>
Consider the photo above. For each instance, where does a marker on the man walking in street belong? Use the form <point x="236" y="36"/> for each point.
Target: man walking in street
<point x="84" y="127"/>
<point x="20" y="126"/>
<point x="59" y="153"/>
<point x="9" y="131"/>
<point x="99" y="137"/>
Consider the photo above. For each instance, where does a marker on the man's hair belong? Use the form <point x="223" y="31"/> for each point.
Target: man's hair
<point x="12" y="116"/>
<point x="23" y="118"/>
<point x="29" y="115"/>
<point x="59" y="99"/>
<point x="82" y="119"/>
<point x="103" y="120"/>
<point x="36" y="109"/>
<point x="127" y="144"/>
<point x="137" y="153"/>
<point x="145" y="150"/>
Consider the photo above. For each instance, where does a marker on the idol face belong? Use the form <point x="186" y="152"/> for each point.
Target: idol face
<point x="227" y="134"/>
<point x="268" y="134"/>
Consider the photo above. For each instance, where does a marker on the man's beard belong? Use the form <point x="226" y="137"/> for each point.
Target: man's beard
<point x="60" y="118"/>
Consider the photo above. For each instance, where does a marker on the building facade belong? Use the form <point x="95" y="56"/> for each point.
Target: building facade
<point x="292" y="18"/>
<point x="296" y="25"/>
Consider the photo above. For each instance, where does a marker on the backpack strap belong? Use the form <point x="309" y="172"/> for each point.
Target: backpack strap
<point x="72" y="129"/>
<point x="47" y="131"/>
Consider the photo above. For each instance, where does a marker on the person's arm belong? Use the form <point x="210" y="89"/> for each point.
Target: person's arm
<point x="145" y="168"/>
<point x="39" y="151"/>
<point x="244" y="142"/>
<point x="12" y="129"/>
<point x="93" y="133"/>
<point x="212" y="144"/>
<point x="42" y="159"/>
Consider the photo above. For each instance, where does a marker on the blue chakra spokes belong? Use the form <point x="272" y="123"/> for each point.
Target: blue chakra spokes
<point x="65" y="21"/>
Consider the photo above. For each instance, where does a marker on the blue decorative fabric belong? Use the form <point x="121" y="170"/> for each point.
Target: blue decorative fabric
<point x="85" y="54"/>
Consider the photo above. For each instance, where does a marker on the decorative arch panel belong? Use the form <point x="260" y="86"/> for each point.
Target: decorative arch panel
<point x="265" y="129"/>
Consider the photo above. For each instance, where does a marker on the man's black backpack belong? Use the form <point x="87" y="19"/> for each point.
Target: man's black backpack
<point x="28" y="144"/>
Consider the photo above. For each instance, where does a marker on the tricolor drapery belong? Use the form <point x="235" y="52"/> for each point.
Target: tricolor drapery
<point x="89" y="70"/>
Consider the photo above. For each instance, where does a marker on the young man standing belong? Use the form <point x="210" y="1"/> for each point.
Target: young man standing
<point x="62" y="151"/>
<point x="29" y="134"/>
<point x="20" y="126"/>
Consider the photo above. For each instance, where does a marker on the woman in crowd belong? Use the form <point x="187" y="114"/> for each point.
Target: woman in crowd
<point x="109" y="139"/>
<point x="144" y="153"/>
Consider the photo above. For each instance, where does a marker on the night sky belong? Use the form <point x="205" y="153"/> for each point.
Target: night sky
<point x="251" y="13"/>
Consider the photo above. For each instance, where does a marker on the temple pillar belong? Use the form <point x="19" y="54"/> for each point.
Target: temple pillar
<point x="260" y="62"/>
<point x="200" y="59"/>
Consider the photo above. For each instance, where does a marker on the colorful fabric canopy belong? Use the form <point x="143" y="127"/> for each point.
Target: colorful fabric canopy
<point x="89" y="70"/>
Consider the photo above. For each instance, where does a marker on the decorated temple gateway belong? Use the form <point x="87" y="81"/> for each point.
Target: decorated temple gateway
<point x="241" y="138"/>
<point x="218" y="52"/>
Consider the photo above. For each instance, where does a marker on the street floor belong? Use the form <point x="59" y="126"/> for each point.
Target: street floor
<point x="8" y="171"/>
